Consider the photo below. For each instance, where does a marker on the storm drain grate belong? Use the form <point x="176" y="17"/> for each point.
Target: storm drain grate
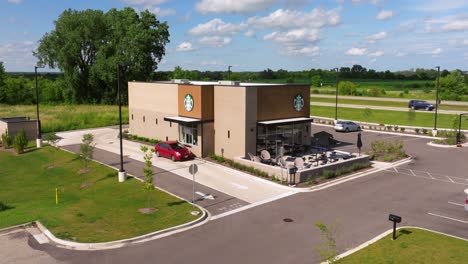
<point x="288" y="220"/>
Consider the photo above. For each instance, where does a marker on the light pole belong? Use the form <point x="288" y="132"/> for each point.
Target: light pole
<point x="39" y="135"/>
<point x="336" y="95"/>
<point x="229" y="72"/>
<point x="459" y="128"/>
<point x="122" y="174"/>
<point x="437" y="100"/>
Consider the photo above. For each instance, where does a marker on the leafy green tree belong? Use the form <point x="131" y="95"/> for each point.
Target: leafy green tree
<point x="148" y="172"/>
<point x="453" y="86"/>
<point x="86" y="150"/>
<point x="347" y="88"/>
<point x="316" y="81"/>
<point x="6" y="140"/>
<point x="87" y="45"/>
<point x="20" y="141"/>
<point x="2" y="74"/>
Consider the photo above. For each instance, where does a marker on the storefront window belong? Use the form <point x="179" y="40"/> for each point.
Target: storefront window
<point x="272" y="138"/>
<point x="188" y="134"/>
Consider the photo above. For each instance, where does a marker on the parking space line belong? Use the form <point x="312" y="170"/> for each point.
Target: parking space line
<point x="450" y="218"/>
<point x="449" y="179"/>
<point x="430" y="175"/>
<point x="412" y="172"/>
<point x="394" y="168"/>
<point x="459" y="204"/>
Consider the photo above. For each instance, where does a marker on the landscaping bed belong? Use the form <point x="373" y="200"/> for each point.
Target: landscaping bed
<point x="92" y="206"/>
<point x="412" y="246"/>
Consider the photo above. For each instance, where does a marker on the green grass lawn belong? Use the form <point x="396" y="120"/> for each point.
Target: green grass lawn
<point x="358" y="101"/>
<point x="412" y="246"/>
<point x="104" y="211"/>
<point x="386" y="117"/>
<point x="57" y="118"/>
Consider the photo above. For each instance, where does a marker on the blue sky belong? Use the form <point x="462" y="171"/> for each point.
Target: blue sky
<point x="276" y="34"/>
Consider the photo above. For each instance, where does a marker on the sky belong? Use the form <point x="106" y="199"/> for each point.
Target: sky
<point x="253" y="35"/>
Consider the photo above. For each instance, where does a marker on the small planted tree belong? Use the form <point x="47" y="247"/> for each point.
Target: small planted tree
<point x="327" y="248"/>
<point x="20" y="141"/>
<point x="86" y="150"/>
<point x="52" y="139"/>
<point x="148" y="173"/>
<point x="6" y="140"/>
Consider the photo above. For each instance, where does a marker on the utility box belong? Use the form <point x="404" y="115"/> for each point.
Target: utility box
<point x="13" y="126"/>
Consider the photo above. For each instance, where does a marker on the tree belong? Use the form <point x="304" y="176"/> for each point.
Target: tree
<point x="6" y="140"/>
<point x="347" y="88"/>
<point x="2" y="74"/>
<point x="86" y="150"/>
<point x="87" y="45"/>
<point x="20" y="141"/>
<point x="316" y="81"/>
<point x="148" y="173"/>
<point x="453" y="86"/>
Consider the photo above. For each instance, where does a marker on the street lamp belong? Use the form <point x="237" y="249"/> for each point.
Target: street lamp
<point x="459" y="127"/>
<point x="437" y="99"/>
<point x="39" y="135"/>
<point x="336" y="95"/>
<point x="229" y="72"/>
<point x="122" y="174"/>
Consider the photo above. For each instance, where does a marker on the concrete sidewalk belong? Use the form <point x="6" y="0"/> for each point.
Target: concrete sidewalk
<point x="231" y="182"/>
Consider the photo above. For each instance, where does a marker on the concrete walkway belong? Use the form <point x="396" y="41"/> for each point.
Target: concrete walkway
<point x="231" y="182"/>
<point x="387" y="99"/>
<point x="389" y="108"/>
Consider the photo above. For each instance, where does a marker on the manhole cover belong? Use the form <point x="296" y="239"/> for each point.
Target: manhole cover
<point x="288" y="220"/>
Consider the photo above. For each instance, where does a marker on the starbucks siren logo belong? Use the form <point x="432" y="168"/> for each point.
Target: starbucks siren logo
<point x="298" y="102"/>
<point x="188" y="102"/>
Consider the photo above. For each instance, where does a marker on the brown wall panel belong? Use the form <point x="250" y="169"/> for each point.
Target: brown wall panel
<point x="207" y="102"/>
<point x="276" y="102"/>
<point x="196" y="92"/>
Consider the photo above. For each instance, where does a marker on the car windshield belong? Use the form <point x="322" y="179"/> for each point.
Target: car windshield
<point x="176" y="146"/>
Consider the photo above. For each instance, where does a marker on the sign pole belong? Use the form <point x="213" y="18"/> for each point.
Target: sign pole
<point x="193" y="190"/>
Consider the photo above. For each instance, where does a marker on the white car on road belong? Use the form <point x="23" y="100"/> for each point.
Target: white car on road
<point x="346" y="126"/>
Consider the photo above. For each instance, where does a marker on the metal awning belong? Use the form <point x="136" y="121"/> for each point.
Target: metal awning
<point x="182" y="119"/>
<point x="296" y="120"/>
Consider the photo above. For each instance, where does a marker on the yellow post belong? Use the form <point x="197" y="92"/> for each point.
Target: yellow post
<point x="56" y="196"/>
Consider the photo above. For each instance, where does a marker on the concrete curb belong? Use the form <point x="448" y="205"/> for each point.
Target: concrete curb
<point x="375" y="239"/>
<point x="16" y="227"/>
<point x="432" y="144"/>
<point x="205" y="217"/>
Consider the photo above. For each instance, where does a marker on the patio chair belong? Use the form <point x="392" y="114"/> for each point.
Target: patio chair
<point x="299" y="163"/>
<point x="266" y="157"/>
<point x="257" y="159"/>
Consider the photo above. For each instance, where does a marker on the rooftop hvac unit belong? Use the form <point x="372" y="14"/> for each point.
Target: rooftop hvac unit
<point x="181" y="81"/>
<point x="233" y="83"/>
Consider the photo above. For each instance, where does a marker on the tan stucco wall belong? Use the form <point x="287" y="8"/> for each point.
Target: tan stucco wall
<point x="230" y="115"/>
<point x="152" y="101"/>
<point x="3" y="127"/>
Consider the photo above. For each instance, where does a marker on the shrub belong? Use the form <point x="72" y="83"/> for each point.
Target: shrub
<point x="20" y="142"/>
<point x="315" y="91"/>
<point x="329" y="174"/>
<point x="387" y="151"/>
<point x="239" y="166"/>
<point x="425" y="131"/>
<point x="4" y="207"/>
<point x="6" y="140"/>
<point x="402" y="129"/>
<point x="416" y="130"/>
<point x="395" y="128"/>
<point x="389" y="128"/>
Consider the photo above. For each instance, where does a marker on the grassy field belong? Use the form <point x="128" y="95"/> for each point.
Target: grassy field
<point x="103" y="211"/>
<point x="357" y="101"/>
<point x="68" y="117"/>
<point x="386" y="117"/>
<point x="412" y="246"/>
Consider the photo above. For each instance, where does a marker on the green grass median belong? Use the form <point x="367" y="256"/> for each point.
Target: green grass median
<point x="412" y="246"/>
<point x="93" y="207"/>
<point x="387" y="117"/>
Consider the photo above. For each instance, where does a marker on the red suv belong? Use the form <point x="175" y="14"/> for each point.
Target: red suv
<point x="172" y="150"/>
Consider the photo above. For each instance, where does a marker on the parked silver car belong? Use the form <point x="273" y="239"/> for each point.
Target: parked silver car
<point x="346" y="126"/>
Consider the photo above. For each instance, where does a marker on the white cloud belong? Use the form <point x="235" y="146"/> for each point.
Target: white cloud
<point x="284" y="19"/>
<point x="17" y="56"/>
<point x="300" y="51"/>
<point x="378" y="53"/>
<point x="213" y="63"/>
<point x="450" y="23"/>
<point x="356" y="51"/>
<point x="250" y="33"/>
<point x="215" y="41"/>
<point x="217" y="27"/>
<point x="385" y="14"/>
<point x="436" y="51"/>
<point x="185" y="46"/>
<point x="294" y="36"/>
<point x="15" y="1"/>
<point x="457" y="25"/>
<point x="374" y="2"/>
<point x="400" y="54"/>
<point x="439" y="6"/>
<point x="377" y="36"/>
<point x="233" y="6"/>
<point x="161" y="12"/>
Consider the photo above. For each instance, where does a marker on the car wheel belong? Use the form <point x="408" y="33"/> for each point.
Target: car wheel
<point x="413" y="108"/>
<point x="358" y="128"/>
<point x="157" y="154"/>
<point x="428" y="109"/>
<point x="347" y="130"/>
<point x="172" y="158"/>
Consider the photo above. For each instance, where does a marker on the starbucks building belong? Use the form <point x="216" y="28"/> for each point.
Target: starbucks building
<point x="226" y="118"/>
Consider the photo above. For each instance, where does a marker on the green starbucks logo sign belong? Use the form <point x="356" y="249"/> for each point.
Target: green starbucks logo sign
<point x="298" y="102"/>
<point x="188" y="102"/>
